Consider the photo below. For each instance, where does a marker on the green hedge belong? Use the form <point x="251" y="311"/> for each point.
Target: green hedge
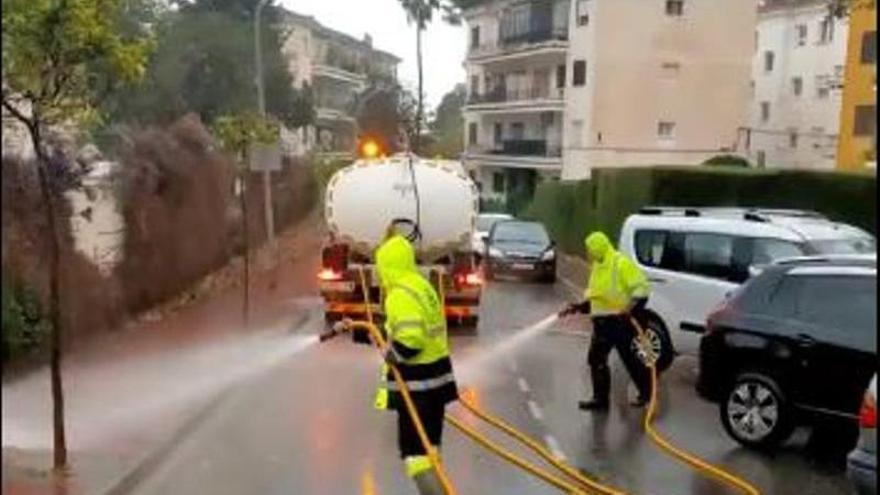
<point x="571" y="209"/>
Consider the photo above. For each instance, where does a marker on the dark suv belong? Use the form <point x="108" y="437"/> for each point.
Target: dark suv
<point x="795" y="345"/>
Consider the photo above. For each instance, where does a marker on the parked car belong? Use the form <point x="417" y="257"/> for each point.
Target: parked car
<point x="862" y="461"/>
<point x="694" y="256"/>
<point x="482" y="226"/>
<point x="520" y="248"/>
<point x="795" y="345"/>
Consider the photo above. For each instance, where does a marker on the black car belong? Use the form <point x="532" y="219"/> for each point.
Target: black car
<point x="516" y="247"/>
<point x="795" y="345"/>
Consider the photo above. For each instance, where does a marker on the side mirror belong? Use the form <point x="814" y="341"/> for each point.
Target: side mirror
<point x="755" y="270"/>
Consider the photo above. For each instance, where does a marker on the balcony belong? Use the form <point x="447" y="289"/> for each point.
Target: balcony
<point x="536" y="98"/>
<point x="518" y="153"/>
<point x="517" y="45"/>
<point x="347" y="74"/>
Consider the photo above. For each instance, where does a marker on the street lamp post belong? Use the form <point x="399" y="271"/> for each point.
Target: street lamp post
<point x="261" y="102"/>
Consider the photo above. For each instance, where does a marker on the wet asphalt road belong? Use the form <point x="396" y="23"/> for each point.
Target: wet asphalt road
<point x="306" y="425"/>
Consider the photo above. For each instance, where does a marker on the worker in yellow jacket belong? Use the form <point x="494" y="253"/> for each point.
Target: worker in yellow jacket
<point x="617" y="289"/>
<point x="417" y="345"/>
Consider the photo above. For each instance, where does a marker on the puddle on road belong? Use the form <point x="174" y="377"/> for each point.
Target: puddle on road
<point x="474" y="369"/>
<point x="106" y="402"/>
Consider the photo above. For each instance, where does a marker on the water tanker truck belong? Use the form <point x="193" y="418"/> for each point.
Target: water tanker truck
<point x="432" y="202"/>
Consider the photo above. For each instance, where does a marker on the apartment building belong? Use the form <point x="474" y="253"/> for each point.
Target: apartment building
<point x="559" y="87"/>
<point x="337" y="68"/>
<point x="797" y="81"/>
<point x="857" y="147"/>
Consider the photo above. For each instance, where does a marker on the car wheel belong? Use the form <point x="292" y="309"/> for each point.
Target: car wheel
<point x="755" y="412"/>
<point x="657" y="348"/>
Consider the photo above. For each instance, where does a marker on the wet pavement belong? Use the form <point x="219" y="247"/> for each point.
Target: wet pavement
<point x="305" y="424"/>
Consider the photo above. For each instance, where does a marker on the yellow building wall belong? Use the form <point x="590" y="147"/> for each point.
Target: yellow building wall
<point x="860" y="83"/>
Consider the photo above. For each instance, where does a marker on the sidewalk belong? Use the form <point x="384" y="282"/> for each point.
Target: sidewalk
<point x="132" y="394"/>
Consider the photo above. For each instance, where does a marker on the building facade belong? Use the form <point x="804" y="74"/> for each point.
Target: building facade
<point x="857" y="149"/>
<point x="558" y="87"/>
<point x="797" y="81"/>
<point x="337" y="68"/>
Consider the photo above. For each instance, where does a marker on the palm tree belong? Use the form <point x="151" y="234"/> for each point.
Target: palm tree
<point x="421" y="12"/>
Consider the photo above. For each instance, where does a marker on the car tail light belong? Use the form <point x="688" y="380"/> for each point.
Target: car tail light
<point x="868" y="412"/>
<point x="329" y="275"/>
<point x="473" y="278"/>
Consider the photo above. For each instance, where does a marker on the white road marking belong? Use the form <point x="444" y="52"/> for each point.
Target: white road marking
<point x="535" y="410"/>
<point x="523" y="385"/>
<point x="553" y="445"/>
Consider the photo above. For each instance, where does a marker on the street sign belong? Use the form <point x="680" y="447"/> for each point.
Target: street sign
<point x="265" y="157"/>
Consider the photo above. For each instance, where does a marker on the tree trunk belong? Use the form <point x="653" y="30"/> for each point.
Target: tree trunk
<point x="419" y="107"/>
<point x="49" y="196"/>
<point x="246" y="237"/>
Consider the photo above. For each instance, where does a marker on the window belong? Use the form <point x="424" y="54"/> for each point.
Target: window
<point x="866" y="120"/>
<point x="498" y="182"/>
<point x="797" y="86"/>
<point x="657" y="248"/>
<point x="675" y="8"/>
<point x="752" y="88"/>
<point x="869" y="47"/>
<point x="583" y="18"/>
<point x="670" y="69"/>
<point x="560" y="76"/>
<point x="766" y="250"/>
<point x="475" y="37"/>
<point x="710" y="255"/>
<point x="849" y="321"/>
<point x="765" y="111"/>
<point x="579" y="76"/>
<point x="801" y="34"/>
<point x="761" y="159"/>
<point x="497" y="133"/>
<point x="826" y="30"/>
<point x="666" y="130"/>
<point x="792" y="139"/>
<point x="475" y="85"/>
<point x="821" y="87"/>
<point x="768" y="61"/>
<point x="517" y="130"/>
<point x="472" y="133"/>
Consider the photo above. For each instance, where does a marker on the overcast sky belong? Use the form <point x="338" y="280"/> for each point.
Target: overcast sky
<point x="443" y="46"/>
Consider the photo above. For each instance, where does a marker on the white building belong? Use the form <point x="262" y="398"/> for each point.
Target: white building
<point x="558" y="87"/>
<point x="797" y="75"/>
<point x="337" y="68"/>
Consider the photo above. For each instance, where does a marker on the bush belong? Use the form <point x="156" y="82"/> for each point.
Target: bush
<point x="25" y="327"/>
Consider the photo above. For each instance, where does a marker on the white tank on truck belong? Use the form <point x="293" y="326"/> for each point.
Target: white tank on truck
<point x="433" y="202"/>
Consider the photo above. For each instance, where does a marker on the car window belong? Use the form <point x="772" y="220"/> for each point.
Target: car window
<point x="530" y="233"/>
<point x="765" y="251"/>
<point x="485" y="223"/>
<point x="842" y="307"/>
<point x="710" y="255"/>
<point x="659" y="248"/>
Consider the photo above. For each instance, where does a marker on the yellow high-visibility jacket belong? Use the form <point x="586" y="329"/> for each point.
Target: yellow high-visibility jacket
<point x="615" y="280"/>
<point x="416" y="327"/>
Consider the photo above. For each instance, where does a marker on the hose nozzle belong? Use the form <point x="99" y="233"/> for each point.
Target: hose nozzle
<point x="336" y="329"/>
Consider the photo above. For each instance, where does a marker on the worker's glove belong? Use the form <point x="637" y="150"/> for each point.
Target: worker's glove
<point x="391" y="356"/>
<point x="575" y="308"/>
<point x="567" y="311"/>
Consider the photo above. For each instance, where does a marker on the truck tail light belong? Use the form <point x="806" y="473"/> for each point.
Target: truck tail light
<point x="868" y="412"/>
<point x="473" y="278"/>
<point x="329" y="275"/>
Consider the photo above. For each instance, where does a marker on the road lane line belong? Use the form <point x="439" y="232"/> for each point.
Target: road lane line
<point x="553" y="445"/>
<point x="523" y="385"/>
<point x="535" y="410"/>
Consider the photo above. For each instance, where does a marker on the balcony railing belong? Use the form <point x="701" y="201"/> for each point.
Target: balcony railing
<point x="521" y="147"/>
<point x="499" y="95"/>
<point x="514" y="41"/>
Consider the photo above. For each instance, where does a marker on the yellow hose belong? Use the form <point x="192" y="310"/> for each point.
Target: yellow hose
<point x="681" y="455"/>
<point x="540" y="450"/>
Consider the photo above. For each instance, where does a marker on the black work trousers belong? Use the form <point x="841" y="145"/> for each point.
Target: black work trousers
<point x="614" y="332"/>
<point x="431" y="413"/>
